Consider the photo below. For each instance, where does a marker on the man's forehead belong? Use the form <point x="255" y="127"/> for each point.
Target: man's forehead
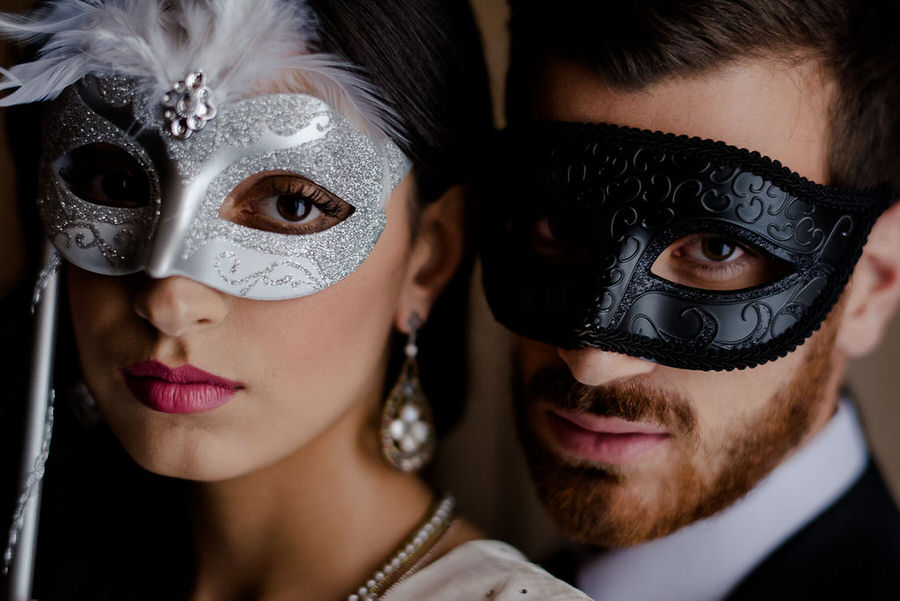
<point x="778" y="108"/>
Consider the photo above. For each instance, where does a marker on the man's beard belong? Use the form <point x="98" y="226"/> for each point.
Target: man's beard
<point x="596" y="504"/>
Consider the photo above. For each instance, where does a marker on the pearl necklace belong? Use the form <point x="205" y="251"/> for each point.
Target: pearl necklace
<point x="411" y="552"/>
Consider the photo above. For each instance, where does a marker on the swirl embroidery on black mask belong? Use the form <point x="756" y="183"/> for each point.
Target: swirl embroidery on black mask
<point x="623" y="192"/>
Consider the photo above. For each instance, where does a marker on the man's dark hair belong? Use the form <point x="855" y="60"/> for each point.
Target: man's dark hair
<point x="636" y="43"/>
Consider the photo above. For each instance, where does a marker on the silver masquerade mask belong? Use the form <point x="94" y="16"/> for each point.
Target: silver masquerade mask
<point x="272" y="197"/>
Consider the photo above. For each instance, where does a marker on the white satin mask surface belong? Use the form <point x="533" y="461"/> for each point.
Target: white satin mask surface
<point x="165" y="208"/>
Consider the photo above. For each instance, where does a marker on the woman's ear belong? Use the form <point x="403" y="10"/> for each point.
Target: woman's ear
<point x="437" y="248"/>
<point x="874" y="290"/>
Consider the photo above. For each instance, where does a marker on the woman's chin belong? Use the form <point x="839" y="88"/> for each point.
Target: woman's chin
<point x="193" y="459"/>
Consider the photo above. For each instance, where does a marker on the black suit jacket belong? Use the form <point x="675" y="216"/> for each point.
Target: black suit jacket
<point x="850" y="552"/>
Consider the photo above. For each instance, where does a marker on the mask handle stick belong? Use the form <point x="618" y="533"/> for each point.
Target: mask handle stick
<point x="38" y="422"/>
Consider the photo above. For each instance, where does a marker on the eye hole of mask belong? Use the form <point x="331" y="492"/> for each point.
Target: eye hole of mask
<point x="710" y="261"/>
<point x="550" y="238"/>
<point x="284" y="203"/>
<point x="104" y="175"/>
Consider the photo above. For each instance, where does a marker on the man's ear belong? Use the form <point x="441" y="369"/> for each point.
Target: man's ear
<point x="874" y="289"/>
<point x="437" y="249"/>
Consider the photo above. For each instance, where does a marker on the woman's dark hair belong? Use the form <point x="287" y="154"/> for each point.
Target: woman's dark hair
<point x="433" y="75"/>
<point x="105" y="533"/>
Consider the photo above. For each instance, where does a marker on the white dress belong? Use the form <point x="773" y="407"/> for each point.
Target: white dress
<point x="483" y="570"/>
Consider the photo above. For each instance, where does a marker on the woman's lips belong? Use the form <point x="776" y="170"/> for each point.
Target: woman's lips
<point x="600" y="439"/>
<point x="184" y="389"/>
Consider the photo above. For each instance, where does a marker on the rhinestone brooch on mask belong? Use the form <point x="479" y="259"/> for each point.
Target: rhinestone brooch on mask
<point x="188" y="107"/>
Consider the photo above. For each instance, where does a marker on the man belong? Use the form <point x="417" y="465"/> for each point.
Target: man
<point x="682" y="303"/>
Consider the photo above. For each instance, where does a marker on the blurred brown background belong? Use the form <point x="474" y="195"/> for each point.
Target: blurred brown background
<point x="11" y="264"/>
<point x="480" y="461"/>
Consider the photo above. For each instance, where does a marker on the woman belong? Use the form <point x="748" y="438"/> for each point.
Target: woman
<point x="250" y="198"/>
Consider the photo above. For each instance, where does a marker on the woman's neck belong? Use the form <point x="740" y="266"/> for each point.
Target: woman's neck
<point x="314" y="526"/>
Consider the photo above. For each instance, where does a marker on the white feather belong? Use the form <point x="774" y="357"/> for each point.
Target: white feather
<point x="243" y="47"/>
<point x="46" y="20"/>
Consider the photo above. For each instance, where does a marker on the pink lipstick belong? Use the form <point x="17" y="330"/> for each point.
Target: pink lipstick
<point x="601" y="439"/>
<point x="184" y="389"/>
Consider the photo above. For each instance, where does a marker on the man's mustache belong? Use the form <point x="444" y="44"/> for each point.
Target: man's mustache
<point x="628" y="399"/>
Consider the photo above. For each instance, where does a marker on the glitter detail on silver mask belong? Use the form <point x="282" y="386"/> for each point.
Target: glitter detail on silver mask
<point x="292" y="133"/>
<point x="115" y="90"/>
<point x="97" y="238"/>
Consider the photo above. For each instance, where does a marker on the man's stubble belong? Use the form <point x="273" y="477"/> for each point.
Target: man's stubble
<point x="603" y="506"/>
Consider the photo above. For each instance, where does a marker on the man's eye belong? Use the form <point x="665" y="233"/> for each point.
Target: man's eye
<point x="717" y="249"/>
<point x="284" y="203"/>
<point x="542" y="235"/>
<point x="104" y="175"/>
<point x="715" y="262"/>
<point x="549" y="238"/>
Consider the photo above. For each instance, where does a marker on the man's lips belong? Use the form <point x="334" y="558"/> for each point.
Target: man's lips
<point x="600" y="439"/>
<point x="184" y="389"/>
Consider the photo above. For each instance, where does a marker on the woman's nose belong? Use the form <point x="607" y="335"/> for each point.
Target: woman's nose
<point x="594" y="367"/>
<point x="177" y="305"/>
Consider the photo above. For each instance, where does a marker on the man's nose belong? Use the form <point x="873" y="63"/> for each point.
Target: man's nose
<point x="595" y="367"/>
<point x="177" y="305"/>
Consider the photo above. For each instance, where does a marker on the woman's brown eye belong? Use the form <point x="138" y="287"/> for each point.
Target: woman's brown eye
<point x="718" y="249"/>
<point x="284" y="203"/>
<point x="293" y="207"/>
<point x="105" y="175"/>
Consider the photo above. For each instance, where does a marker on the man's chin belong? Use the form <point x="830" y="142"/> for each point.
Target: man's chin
<point x="623" y="505"/>
<point x="612" y="506"/>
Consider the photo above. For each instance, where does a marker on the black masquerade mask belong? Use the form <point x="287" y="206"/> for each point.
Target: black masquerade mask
<point x="687" y="252"/>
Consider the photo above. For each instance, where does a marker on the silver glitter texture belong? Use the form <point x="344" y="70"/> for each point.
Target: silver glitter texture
<point x="98" y="238"/>
<point x="115" y="90"/>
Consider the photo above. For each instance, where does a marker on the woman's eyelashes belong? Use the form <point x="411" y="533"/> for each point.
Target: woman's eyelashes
<point x="717" y="262"/>
<point x="285" y="204"/>
<point x="104" y="175"/>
